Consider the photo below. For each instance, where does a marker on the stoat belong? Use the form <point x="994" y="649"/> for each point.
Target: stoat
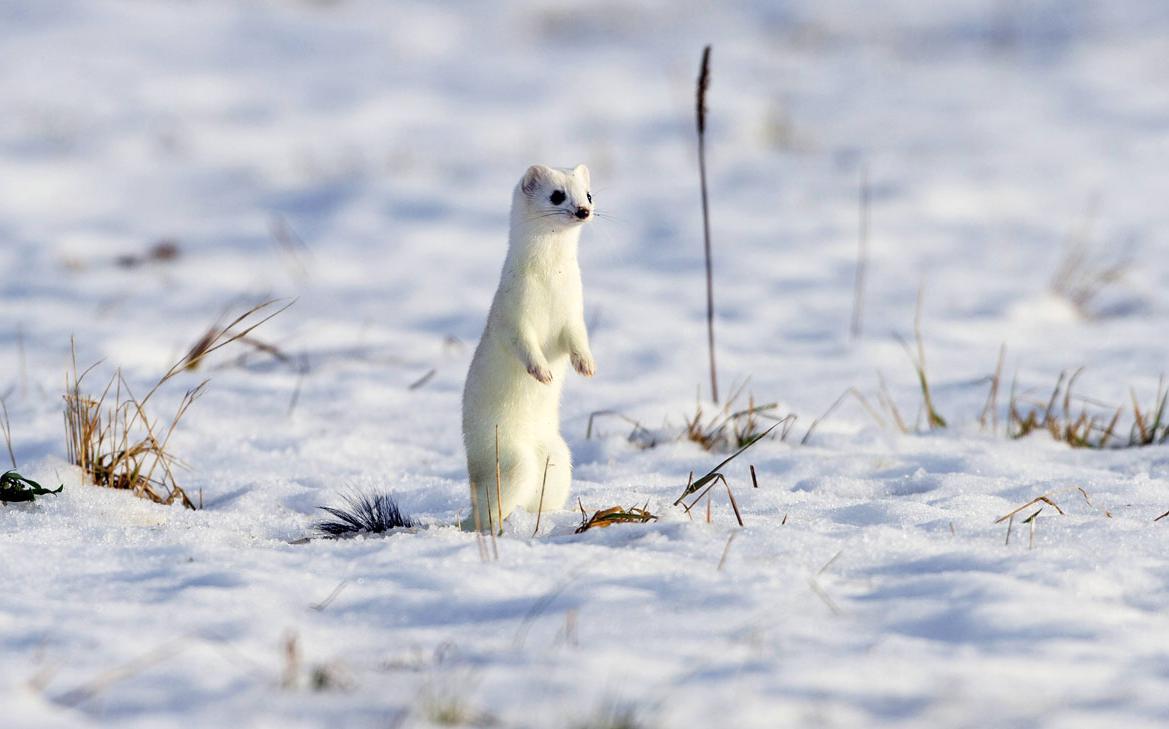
<point x="534" y="329"/>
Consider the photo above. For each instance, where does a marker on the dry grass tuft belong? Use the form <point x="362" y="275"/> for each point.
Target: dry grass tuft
<point x="449" y="706"/>
<point x="1085" y="273"/>
<point x="117" y="445"/>
<point x="615" y="717"/>
<point x="730" y="429"/>
<point x="725" y="430"/>
<point x="1086" y="427"/>
<point x="113" y="439"/>
<point x="1149" y="426"/>
<point x="1082" y="430"/>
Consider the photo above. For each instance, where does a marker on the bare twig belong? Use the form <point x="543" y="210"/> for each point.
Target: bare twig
<point x="320" y="606"/>
<point x="291" y="244"/>
<point x="830" y="562"/>
<point x="498" y="482"/>
<point x="545" y="601"/>
<point x="291" y="661"/>
<point x="734" y="504"/>
<point x="820" y="593"/>
<point x="96" y="685"/>
<point x="710" y="476"/>
<point x="887" y="402"/>
<point x="726" y="550"/>
<point x="990" y="410"/>
<point x="302" y="369"/>
<point x="639" y="436"/>
<point x="1088" y="501"/>
<point x="864" y="401"/>
<point x="831" y="409"/>
<point x="423" y="379"/>
<point x="543" y="483"/>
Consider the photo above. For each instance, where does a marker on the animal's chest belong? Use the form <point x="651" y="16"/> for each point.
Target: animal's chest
<point x="551" y="297"/>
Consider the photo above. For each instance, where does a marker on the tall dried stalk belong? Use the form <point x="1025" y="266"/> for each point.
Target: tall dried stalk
<point x="703" y="85"/>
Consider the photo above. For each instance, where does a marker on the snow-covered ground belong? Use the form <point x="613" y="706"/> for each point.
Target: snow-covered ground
<point x="870" y="585"/>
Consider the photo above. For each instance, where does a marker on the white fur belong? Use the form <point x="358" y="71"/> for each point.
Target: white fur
<point x="535" y="328"/>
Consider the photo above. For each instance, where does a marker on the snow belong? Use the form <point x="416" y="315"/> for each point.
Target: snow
<point x="870" y="585"/>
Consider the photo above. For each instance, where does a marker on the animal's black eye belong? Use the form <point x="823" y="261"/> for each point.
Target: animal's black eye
<point x="589" y="195"/>
<point x="557" y="197"/>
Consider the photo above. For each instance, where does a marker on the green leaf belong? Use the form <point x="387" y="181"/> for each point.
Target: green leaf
<point x="15" y="488"/>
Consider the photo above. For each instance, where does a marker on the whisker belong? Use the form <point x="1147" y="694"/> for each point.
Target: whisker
<point x="550" y="214"/>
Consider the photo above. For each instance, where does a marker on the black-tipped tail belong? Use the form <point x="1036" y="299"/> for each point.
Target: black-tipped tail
<point x="363" y="513"/>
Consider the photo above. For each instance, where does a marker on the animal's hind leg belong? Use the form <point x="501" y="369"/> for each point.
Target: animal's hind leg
<point x="492" y="503"/>
<point x="553" y="485"/>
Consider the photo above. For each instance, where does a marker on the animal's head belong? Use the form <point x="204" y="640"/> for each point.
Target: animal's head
<point x="554" y="198"/>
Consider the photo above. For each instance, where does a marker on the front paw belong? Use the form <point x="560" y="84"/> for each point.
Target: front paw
<point x="583" y="364"/>
<point x="542" y="374"/>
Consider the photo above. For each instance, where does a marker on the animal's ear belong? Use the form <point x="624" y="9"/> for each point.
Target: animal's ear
<point x="582" y="172"/>
<point x="532" y="179"/>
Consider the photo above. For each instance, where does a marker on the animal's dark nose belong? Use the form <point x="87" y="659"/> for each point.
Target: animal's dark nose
<point x="582" y="213"/>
